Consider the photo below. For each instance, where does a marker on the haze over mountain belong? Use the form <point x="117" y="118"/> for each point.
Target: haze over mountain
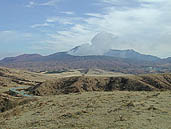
<point x="51" y="26"/>
<point x="100" y="44"/>
<point x="98" y="54"/>
<point x="130" y="54"/>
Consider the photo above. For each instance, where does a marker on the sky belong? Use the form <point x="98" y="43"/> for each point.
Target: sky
<point x="49" y="26"/>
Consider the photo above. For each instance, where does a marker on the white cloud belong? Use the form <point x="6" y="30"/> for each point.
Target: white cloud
<point x="68" y="13"/>
<point x="48" y="3"/>
<point x="145" y="28"/>
<point x="31" y="4"/>
<point x="143" y="25"/>
<point x="94" y="15"/>
<point x="40" y="25"/>
<point x="64" y="20"/>
<point x="153" y="1"/>
<point x="60" y="20"/>
<point x="100" y="44"/>
<point x="65" y="40"/>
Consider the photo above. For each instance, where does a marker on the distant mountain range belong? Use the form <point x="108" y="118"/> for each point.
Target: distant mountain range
<point x="91" y="56"/>
<point x="126" y="61"/>
<point x="125" y="54"/>
<point x="130" y="54"/>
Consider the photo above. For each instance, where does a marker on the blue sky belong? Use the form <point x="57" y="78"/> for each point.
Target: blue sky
<point x="49" y="26"/>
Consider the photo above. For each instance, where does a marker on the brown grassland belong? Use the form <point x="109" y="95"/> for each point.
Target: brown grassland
<point x="95" y="100"/>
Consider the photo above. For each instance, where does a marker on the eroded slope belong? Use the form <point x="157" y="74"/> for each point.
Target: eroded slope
<point x="151" y="82"/>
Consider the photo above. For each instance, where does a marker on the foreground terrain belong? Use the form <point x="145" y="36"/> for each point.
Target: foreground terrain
<point x="92" y="110"/>
<point x="76" y="99"/>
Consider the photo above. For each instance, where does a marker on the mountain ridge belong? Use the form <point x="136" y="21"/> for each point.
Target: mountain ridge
<point x="63" y="60"/>
<point x="94" y="55"/>
<point x="130" y="53"/>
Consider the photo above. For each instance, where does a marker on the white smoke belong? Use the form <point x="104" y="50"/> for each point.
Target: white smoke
<point x="100" y="44"/>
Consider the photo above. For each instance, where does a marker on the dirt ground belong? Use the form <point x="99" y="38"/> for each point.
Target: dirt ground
<point x="93" y="110"/>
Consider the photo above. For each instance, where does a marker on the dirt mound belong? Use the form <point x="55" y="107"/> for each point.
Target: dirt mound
<point x="159" y="81"/>
<point x="14" y="78"/>
<point x="8" y="102"/>
<point x="85" y="84"/>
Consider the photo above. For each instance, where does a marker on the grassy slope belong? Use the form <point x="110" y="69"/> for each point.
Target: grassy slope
<point x="93" y="110"/>
<point x="151" y="82"/>
<point x="19" y="78"/>
<point x="85" y="110"/>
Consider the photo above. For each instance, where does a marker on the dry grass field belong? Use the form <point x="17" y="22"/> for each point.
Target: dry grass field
<point x="92" y="110"/>
<point x="83" y="102"/>
<point x="16" y="78"/>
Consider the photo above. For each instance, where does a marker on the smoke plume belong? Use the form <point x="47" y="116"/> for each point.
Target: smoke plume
<point x="100" y="44"/>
